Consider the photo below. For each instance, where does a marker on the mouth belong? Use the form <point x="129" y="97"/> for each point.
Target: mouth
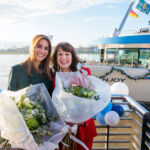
<point x="40" y="55"/>
<point x="64" y="62"/>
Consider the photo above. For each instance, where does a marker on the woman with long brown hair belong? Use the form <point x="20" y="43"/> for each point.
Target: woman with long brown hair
<point x="64" y="58"/>
<point x="35" y="69"/>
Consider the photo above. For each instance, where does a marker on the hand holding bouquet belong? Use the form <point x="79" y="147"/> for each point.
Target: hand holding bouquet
<point x="74" y="106"/>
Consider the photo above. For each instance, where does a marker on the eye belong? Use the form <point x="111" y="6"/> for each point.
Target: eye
<point x="46" y="48"/>
<point x="67" y="54"/>
<point x="38" y="46"/>
<point x="59" y="54"/>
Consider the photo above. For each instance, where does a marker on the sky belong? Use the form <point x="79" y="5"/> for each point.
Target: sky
<point x="78" y="22"/>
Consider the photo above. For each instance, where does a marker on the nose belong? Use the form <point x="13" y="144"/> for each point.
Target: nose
<point x="42" y="49"/>
<point x="63" y="57"/>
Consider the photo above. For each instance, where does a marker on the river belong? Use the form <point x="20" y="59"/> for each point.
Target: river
<point x="8" y="60"/>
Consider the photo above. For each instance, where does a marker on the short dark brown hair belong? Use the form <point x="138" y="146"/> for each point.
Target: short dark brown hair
<point x="67" y="48"/>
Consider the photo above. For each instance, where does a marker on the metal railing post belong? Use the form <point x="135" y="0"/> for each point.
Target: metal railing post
<point x="107" y="142"/>
<point x="145" y="143"/>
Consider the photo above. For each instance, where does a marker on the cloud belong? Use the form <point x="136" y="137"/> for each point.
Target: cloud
<point x="109" y="18"/>
<point x="104" y="18"/>
<point x="16" y="11"/>
<point x="91" y="19"/>
<point x="111" y="6"/>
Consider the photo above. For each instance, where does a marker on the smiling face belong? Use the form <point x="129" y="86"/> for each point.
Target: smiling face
<point x="41" y="50"/>
<point x="64" y="60"/>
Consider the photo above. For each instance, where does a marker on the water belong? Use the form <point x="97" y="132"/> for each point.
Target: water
<point x="8" y="60"/>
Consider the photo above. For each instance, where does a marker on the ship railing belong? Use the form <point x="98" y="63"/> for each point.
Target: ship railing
<point x="132" y="132"/>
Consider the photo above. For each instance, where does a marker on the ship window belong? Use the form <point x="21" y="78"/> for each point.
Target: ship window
<point x="112" y="56"/>
<point x="128" y="56"/>
<point x="145" y="56"/>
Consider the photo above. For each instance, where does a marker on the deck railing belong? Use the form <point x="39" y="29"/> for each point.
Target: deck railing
<point x="132" y="132"/>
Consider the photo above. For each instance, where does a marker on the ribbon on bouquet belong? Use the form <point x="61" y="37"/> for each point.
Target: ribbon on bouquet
<point x="81" y="70"/>
<point x="63" y="130"/>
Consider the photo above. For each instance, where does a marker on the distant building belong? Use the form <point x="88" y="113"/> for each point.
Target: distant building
<point x="92" y="49"/>
<point x="12" y="44"/>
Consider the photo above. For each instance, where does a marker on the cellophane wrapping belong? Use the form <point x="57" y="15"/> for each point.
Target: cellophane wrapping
<point x="76" y="109"/>
<point x="13" y="126"/>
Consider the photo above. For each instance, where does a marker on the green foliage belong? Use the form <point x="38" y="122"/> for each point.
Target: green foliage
<point x="5" y="145"/>
<point x="32" y="123"/>
<point x="82" y="92"/>
<point x="35" y="118"/>
<point x="122" y="72"/>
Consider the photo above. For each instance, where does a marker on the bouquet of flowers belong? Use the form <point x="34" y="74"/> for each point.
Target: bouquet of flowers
<point x="78" y="97"/>
<point x="82" y="92"/>
<point x="27" y="118"/>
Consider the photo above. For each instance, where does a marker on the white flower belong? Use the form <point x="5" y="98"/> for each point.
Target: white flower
<point x="36" y="111"/>
<point x="27" y="100"/>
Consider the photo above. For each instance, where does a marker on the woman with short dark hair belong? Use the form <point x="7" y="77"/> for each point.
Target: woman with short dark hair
<point x="64" y="58"/>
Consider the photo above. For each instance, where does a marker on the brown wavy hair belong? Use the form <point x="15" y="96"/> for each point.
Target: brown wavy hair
<point x="45" y="64"/>
<point x="67" y="48"/>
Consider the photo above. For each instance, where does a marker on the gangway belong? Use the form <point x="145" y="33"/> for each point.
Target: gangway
<point x="132" y="132"/>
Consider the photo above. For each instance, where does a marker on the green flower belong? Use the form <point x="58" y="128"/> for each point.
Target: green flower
<point x="81" y="91"/>
<point x="32" y="123"/>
